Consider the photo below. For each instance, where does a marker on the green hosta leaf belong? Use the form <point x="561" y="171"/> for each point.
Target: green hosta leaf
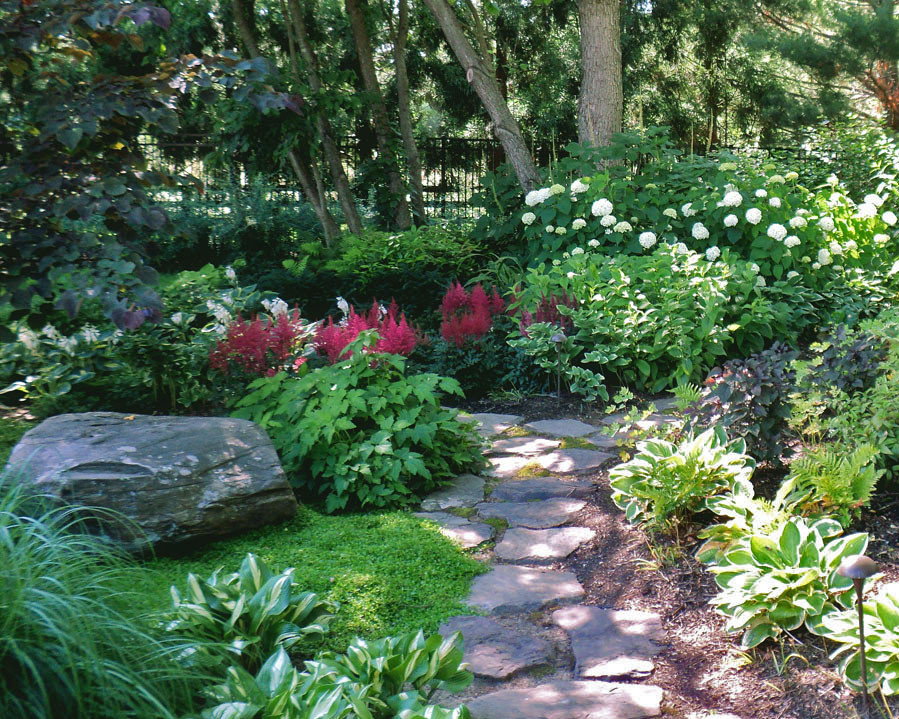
<point x="755" y="635"/>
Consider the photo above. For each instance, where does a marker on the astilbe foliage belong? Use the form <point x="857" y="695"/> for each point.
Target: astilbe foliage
<point x="468" y="316"/>
<point x="395" y="335"/>
<point x="259" y="346"/>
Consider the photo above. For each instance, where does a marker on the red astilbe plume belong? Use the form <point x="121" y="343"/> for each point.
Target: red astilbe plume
<point x="468" y="316"/>
<point x="257" y="346"/>
<point x="548" y="311"/>
<point x="395" y="334"/>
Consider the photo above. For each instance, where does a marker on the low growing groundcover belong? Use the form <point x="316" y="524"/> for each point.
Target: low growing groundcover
<point x="389" y="572"/>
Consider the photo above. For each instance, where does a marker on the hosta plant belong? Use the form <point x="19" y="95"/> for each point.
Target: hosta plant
<point x="666" y="482"/>
<point x="881" y="616"/>
<point x="252" y="611"/>
<point x="771" y="582"/>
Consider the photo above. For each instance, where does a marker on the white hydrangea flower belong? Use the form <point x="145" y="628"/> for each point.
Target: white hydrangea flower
<point x="816" y="265"/>
<point x="608" y="220"/>
<point x="791" y="274"/>
<point x="578" y="223"/>
<point x="761" y="192"/>
<point x="550" y="228"/>
<point x="760" y="281"/>
<point x="838" y="268"/>
<point x="826" y="224"/>
<point x="866" y="210"/>
<point x="851" y="245"/>
<point x="681" y="248"/>
<point x="832" y="180"/>
<point x="873" y="199"/>
<point x="889" y="217"/>
<point x="578" y="186"/>
<point x="647" y="239"/>
<point x="570" y="275"/>
<point x="881" y="238"/>
<point x="777" y="232"/>
<point x="806" y="259"/>
<point x="699" y="231"/>
<point x="753" y="215"/>
<point x="556" y="189"/>
<point x="623" y="226"/>
<point x="670" y="212"/>
<point x="535" y="197"/>
<point x="776" y="180"/>
<point x="577" y="251"/>
<point x="754" y="267"/>
<point x="687" y="210"/>
<point x="528" y="218"/>
<point x="601" y="208"/>
<point x="791" y="175"/>
<point x="556" y="263"/>
<point x="835" y="248"/>
<point x="894" y="269"/>
<point x="731" y="221"/>
<point x="798" y="221"/>
<point x="712" y="254"/>
<point x="566" y="256"/>
<point x="774" y="202"/>
<point x="791" y="242"/>
<point x="802" y="211"/>
<point x="561" y="230"/>
<point x="230" y="274"/>
<point x="593" y="243"/>
<point x="824" y="257"/>
<point x="731" y="199"/>
<point x="835" y="199"/>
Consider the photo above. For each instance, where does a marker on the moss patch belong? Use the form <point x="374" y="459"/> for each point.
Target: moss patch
<point x="576" y="443"/>
<point x="516" y="431"/>
<point x="532" y="469"/>
<point x="498" y="523"/>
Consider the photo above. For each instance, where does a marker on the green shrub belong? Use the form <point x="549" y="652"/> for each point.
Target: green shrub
<point x="775" y="581"/>
<point x="71" y="643"/>
<point x="665" y="482"/>
<point x="360" y="433"/>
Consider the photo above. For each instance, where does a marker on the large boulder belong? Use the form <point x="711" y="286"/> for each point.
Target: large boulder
<point x="180" y="480"/>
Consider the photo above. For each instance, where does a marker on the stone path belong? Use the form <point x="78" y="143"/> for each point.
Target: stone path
<point x="529" y="518"/>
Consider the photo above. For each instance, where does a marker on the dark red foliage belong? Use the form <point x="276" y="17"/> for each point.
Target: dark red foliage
<point x="395" y="336"/>
<point x="548" y="311"/>
<point x="258" y="346"/>
<point x="468" y="316"/>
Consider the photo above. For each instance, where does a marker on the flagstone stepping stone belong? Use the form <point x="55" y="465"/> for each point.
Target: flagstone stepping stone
<point x="528" y="490"/>
<point x="665" y="405"/>
<point x="490" y="424"/>
<point x="495" y="652"/>
<point x="465" y="533"/>
<point x="509" y="465"/>
<point x="562" y="427"/>
<point x="611" y="643"/>
<point x="570" y="700"/>
<point x="524" y="445"/>
<point x="521" y="544"/>
<point x="534" y="515"/>
<point x="565" y="461"/>
<point x="509" y="588"/>
<point x="466" y="490"/>
<point x="611" y="443"/>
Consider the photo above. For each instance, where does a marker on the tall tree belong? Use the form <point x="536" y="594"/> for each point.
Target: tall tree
<point x="601" y="100"/>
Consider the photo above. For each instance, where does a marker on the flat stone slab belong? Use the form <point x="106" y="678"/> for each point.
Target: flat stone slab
<point x="528" y="490"/>
<point x="463" y="532"/>
<point x="611" y="443"/>
<point x="495" y="652"/>
<point x="564" y="461"/>
<point x="562" y="427"/>
<point x="490" y="424"/>
<point x="524" y="445"/>
<point x="508" y="588"/>
<point x="521" y="544"/>
<point x="611" y="643"/>
<point x="534" y="515"/>
<point x="570" y="700"/>
<point x="509" y="465"/>
<point x="466" y="490"/>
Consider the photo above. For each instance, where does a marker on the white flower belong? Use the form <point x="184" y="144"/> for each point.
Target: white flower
<point x="593" y="243"/>
<point x="806" y="259"/>
<point x="647" y="239"/>
<point x="578" y="224"/>
<point x="731" y="199"/>
<point x="561" y="230"/>
<point x="875" y="200"/>
<point x="816" y="265"/>
<point x="712" y="254"/>
<point x="774" y="202"/>
<point x="826" y="224"/>
<point x="894" y="269"/>
<point x="754" y="267"/>
<point x="753" y="215"/>
<point x="50" y="332"/>
<point x="566" y="256"/>
<point x="889" y="217"/>
<point x="881" y="238"/>
<point x="851" y="245"/>
<point x="69" y="344"/>
<point x="791" y="274"/>
<point x="556" y="263"/>
<point x="230" y="274"/>
<point x="220" y="312"/>
<point x="570" y="275"/>
<point x="832" y="180"/>
<point x="528" y="218"/>
<point x="681" y="249"/>
<point x="687" y="210"/>
<point x="275" y="307"/>
<point x="343" y="306"/>
<point x="670" y="212"/>
<point x="776" y="179"/>
<point x="29" y="339"/>
<point x="866" y="210"/>
<point x="791" y="241"/>
<point x="802" y="211"/>
<point x="577" y="251"/>
<point x="760" y="281"/>
<point x="777" y="232"/>
<point x="601" y="208"/>
<point x="556" y="189"/>
<point x="608" y="220"/>
<point x="699" y="231"/>
<point x="835" y="248"/>
<point x="797" y="222"/>
<point x="550" y="229"/>
<point x="731" y="221"/>
<point x="838" y="268"/>
<point x="824" y="257"/>
<point x="177" y="318"/>
<point x="790" y="176"/>
<point x="834" y="199"/>
<point x="623" y="226"/>
<point x="578" y="186"/>
<point x="90" y="333"/>
<point x="761" y="192"/>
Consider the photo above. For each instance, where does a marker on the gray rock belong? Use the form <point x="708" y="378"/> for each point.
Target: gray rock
<point x="465" y="533"/>
<point x="541" y="544"/>
<point x="466" y="490"/>
<point x="612" y="443"/>
<point x="508" y="588"/>
<point x="565" y="461"/>
<point x="181" y="480"/>
<point x="490" y="424"/>
<point x="562" y="427"/>
<point x="569" y="700"/>
<point x="610" y="643"/>
<point x="506" y="466"/>
<point x="616" y="418"/>
<point x="666" y="404"/>
<point x="528" y="490"/>
<point x="524" y="445"/>
<point x="534" y="515"/>
<point x="495" y="652"/>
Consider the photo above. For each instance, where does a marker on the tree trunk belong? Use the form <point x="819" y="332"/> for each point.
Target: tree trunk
<point x="300" y="167"/>
<point x="378" y="111"/>
<point x="600" y="104"/>
<point x="323" y="125"/>
<point x="504" y="125"/>
<point x="404" y="109"/>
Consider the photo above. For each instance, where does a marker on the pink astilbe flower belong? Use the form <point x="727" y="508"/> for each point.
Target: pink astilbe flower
<point x="257" y="346"/>
<point x="547" y="310"/>
<point x="468" y="316"/>
<point x="395" y="334"/>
